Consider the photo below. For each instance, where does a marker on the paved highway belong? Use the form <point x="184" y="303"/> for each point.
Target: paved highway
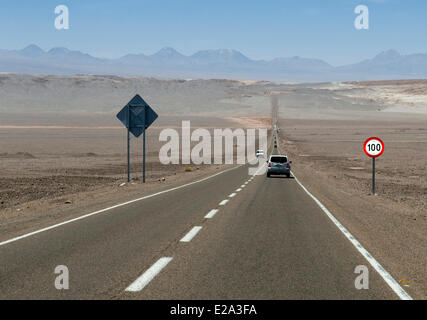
<point x="232" y="236"/>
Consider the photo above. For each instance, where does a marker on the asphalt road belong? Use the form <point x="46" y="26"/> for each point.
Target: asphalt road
<point x="269" y="241"/>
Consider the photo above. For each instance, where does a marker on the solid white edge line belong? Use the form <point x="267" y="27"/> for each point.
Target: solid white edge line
<point x="392" y="283"/>
<point x="223" y="202"/>
<point x="149" y="275"/>
<point x="191" y="234"/>
<point x="211" y="213"/>
<point x="112" y="207"/>
<point x="232" y="195"/>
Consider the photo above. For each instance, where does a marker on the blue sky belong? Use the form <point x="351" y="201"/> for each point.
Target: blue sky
<point x="261" y="29"/>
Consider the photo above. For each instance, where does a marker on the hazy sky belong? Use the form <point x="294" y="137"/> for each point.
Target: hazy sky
<point x="261" y="29"/>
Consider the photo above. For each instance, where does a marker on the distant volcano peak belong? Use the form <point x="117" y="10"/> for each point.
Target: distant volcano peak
<point x="32" y="50"/>
<point x="388" y="55"/>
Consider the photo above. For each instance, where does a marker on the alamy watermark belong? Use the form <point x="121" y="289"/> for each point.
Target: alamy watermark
<point x="62" y="281"/>
<point x="62" y="21"/>
<point x="362" y="280"/>
<point x="362" y="20"/>
<point x="178" y="148"/>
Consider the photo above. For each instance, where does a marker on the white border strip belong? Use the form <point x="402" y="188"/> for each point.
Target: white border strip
<point x="403" y="295"/>
<point x="191" y="234"/>
<point x="149" y="275"/>
<point x="112" y="207"/>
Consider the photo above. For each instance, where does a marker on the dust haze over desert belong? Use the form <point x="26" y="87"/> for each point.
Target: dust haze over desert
<point x="63" y="151"/>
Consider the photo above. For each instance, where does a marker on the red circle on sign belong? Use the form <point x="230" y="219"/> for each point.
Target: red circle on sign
<point x="366" y="143"/>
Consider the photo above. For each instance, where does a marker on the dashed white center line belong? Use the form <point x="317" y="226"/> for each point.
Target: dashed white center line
<point x="211" y="213"/>
<point x="238" y="190"/>
<point x="242" y="186"/>
<point x="149" y="275"/>
<point x="191" y="234"/>
<point x="223" y="202"/>
<point x="232" y="195"/>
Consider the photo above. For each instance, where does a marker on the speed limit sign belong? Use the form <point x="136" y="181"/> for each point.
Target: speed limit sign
<point x="373" y="147"/>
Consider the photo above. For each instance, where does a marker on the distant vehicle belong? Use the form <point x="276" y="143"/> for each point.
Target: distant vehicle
<point x="260" y="153"/>
<point x="278" y="164"/>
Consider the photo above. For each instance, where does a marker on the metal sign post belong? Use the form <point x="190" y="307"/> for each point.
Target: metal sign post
<point x="373" y="175"/>
<point x="373" y="147"/>
<point x="128" y="142"/>
<point x="143" y="152"/>
<point x="137" y="116"/>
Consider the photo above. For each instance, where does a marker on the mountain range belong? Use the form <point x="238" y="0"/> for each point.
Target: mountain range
<point x="223" y="63"/>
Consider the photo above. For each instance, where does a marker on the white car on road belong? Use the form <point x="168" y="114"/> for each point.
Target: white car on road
<point x="260" y="153"/>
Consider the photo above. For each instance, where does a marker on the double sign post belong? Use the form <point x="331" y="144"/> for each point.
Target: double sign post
<point x="373" y="147"/>
<point x="136" y="116"/>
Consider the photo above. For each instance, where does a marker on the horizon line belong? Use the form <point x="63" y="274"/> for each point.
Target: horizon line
<point x="184" y="55"/>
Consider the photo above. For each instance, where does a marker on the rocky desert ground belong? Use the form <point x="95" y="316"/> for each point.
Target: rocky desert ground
<point x="62" y="152"/>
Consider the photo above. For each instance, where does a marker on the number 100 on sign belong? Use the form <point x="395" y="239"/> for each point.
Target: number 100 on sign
<point x="373" y="147"/>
